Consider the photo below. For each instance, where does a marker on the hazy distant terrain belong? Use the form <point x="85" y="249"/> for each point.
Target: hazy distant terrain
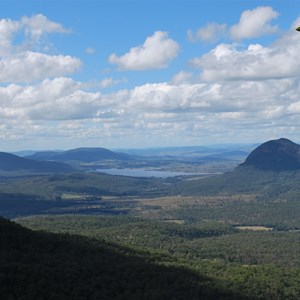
<point x="213" y="159"/>
<point x="89" y="183"/>
<point x="83" y="191"/>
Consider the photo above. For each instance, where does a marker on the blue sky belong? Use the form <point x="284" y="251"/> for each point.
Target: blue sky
<point x="147" y="73"/>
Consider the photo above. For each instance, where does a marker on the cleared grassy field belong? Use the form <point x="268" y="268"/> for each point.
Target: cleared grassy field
<point x="254" y="228"/>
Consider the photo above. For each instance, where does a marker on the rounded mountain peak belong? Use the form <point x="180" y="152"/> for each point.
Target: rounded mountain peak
<point x="275" y="155"/>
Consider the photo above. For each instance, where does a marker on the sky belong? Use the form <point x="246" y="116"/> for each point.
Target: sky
<point x="138" y="74"/>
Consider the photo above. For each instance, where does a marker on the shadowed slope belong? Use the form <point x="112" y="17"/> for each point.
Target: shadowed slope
<point x="39" y="265"/>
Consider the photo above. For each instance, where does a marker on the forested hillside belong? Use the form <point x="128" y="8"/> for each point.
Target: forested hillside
<point x="164" y="260"/>
<point x="40" y="265"/>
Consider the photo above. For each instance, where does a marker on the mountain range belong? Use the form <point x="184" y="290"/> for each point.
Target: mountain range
<point x="81" y="155"/>
<point x="10" y="163"/>
<point x="280" y="155"/>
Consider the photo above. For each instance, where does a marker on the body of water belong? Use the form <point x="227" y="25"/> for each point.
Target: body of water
<point x="144" y="173"/>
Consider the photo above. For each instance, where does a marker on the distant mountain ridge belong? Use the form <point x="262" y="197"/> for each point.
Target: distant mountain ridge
<point x="10" y="162"/>
<point x="275" y="155"/>
<point x="80" y="154"/>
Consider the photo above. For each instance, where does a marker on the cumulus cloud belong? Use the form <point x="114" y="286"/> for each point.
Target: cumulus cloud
<point x="256" y="62"/>
<point x="19" y="65"/>
<point x="236" y="106"/>
<point x="255" y="23"/>
<point x="211" y="32"/>
<point x="7" y="30"/>
<point x="38" y="25"/>
<point x="33" y="27"/>
<point x="64" y="98"/>
<point x="56" y="99"/>
<point x="29" y="66"/>
<point x="179" y="111"/>
<point x="252" y="23"/>
<point x="157" y="52"/>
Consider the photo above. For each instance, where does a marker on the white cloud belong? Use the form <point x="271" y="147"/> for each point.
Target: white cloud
<point x="38" y="25"/>
<point x="252" y="23"/>
<point x="57" y="99"/>
<point x="157" y="52"/>
<point x="19" y="65"/>
<point x="61" y="109"/>
<point x="211" y="32"/>
<point x="29" y="66"/>
<point x="7" y="30"/>
<point x="63" y="98"/>
<point x="31" y="29"/>
<point x="255" y="23"/>
<point x="256" y="62"/>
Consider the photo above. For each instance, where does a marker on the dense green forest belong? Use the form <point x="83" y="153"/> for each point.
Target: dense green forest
<point x="40" y="265"/>
<point x="236" y="210"/>
<point x="245" y="264"/>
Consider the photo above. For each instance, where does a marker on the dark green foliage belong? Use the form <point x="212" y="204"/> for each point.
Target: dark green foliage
<point x="257" y="265"/>
<point x="205" y="240"/>
<point x="39" y="265"/>
<point x="250" y="248"/>
<point x="278" y="215"/>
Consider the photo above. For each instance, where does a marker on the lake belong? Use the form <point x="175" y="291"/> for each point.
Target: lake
<point x="145" y="173"/>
